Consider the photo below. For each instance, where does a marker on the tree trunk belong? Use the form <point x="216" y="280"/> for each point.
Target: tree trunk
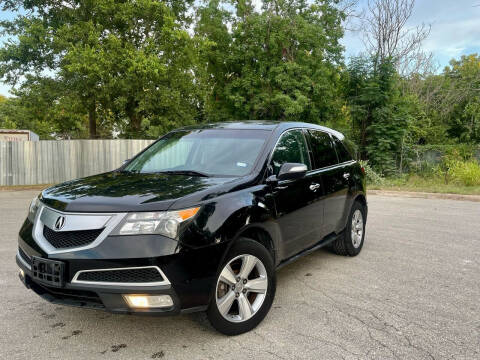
<point x="92" y="121"/>
<point x="400" y="170"/>
<point x="363" y="137"/>
<point x="135" y="118"/>
<point x="135" y="124"/>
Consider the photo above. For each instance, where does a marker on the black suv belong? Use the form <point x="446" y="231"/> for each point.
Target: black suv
<point x="197" y="221"/>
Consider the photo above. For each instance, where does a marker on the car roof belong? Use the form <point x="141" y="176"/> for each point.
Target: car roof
<point x="269" y="125"/>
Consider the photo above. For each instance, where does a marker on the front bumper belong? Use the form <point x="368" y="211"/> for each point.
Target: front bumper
<point x="190" y="273"/>
<point x="99" y="297"/>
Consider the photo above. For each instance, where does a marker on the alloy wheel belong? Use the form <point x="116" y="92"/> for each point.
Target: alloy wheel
<point x="357" y="228"/>
<point x="241" y="288"/>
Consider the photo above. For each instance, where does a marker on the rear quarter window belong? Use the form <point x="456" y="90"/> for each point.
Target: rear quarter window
<point x="342" y="152"/>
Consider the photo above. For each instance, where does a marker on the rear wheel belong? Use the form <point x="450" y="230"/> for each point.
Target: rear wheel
<point x="351" y="242"/>
<point x="244" y="289"/>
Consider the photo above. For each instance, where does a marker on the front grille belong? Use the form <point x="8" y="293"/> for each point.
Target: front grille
<point x="141" y="275"/>
<point x="70" y="239"/>
<point x="24" y="256"/>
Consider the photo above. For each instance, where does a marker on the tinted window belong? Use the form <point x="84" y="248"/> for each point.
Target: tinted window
<point x="212" y="151"/>
<point x="323" y="149"/>
<point x="291" y="148"/>
<point x="351" y="148"/>
<point x="342" y="152"/>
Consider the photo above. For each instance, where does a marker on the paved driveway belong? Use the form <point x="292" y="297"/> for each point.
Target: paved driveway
<point x="413" y="293"/>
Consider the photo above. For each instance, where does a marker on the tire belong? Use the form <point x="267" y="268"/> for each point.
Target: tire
<point x="237" y="316"/>
<point x="349" y="244"/>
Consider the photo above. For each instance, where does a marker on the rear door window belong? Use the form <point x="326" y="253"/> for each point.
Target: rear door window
<point x="322" y="148"/>
<point x="291" y="148"/>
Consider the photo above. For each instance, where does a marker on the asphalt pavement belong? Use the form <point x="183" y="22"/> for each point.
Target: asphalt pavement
<point x="412" y="293"/>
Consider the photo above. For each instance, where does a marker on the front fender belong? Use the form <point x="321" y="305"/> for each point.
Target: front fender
<point x="226" y="217"/>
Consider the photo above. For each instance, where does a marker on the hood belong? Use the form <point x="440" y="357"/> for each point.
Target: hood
<point x="123" y="192"/>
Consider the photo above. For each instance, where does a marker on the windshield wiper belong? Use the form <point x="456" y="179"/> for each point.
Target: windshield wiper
<point x="185" y="172"/>
<point x="130" y="171"/>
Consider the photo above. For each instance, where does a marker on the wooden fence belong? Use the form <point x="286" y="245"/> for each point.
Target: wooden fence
<point x="55" y="161"/>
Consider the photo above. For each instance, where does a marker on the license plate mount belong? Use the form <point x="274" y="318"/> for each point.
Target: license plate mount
<point x="48" y="272"/>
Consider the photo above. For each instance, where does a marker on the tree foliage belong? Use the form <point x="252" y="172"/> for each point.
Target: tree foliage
<point x="379" y="114"/>
<point x="132" y="61"/>
<point x="106" y="68"/>
<point x="280" y="63"/>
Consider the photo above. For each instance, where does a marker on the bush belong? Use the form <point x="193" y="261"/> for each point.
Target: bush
<point x="373" y="178"/>
<point x="459" y="167"/>
<point x="435" y="160"/>
<point x="465" y="172"/>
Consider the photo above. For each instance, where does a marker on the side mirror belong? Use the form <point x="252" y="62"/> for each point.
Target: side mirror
<point x="292" y="171"/>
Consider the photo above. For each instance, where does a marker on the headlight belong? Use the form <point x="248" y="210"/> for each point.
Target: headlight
<point x="164" y="223"/>
<point x="32" y="210"/>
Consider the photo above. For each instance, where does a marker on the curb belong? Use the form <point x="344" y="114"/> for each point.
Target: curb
<point x="425" y="195"/>
<point x="24" y="187"/>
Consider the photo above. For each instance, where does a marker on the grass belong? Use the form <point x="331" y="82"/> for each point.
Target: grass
<point x="24" y="187"/>
<point x="425" y="184"/>
<point x="404" y="183"/>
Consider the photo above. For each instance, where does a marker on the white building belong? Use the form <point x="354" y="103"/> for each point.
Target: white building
<point x="17" y="135"/>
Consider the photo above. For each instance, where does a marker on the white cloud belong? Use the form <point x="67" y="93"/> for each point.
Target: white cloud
<point x="257" y="4"/>
<point x="4" y="89"/>
<point x="454" y="37"/>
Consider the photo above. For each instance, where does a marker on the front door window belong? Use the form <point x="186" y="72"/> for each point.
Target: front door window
<point x="291" y="148"/>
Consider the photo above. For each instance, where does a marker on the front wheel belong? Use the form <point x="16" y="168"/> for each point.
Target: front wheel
<point x="351" y="242"/>
<point x="244" y="290"/>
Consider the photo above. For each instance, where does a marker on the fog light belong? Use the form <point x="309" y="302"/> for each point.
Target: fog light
<point x="22" y="273"/>
<point x="148" y="301"/>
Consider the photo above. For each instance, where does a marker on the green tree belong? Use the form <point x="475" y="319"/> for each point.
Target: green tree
<point x="382" y="116"/>
<point x="430" y="126"/>
<point x="462" y="93"/>
<point x="450" y="102"/>
<point x="212" y="28"/>
<point x="281" y="63"/>
<point x="41" y="107"/>
<point x="129" y="61"/>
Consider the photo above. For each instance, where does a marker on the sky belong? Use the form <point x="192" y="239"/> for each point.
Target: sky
<point x="455" y="30"/>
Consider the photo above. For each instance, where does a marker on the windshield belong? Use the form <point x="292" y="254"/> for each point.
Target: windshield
<point x="207" y="152"/>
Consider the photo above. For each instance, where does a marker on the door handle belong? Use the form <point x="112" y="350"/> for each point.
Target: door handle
<point x="346" y="176"/>
<point x="314" y="187"/>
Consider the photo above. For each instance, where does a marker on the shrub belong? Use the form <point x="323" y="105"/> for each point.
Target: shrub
<point x="373" y="178"/>
<point x="465" y="172"/>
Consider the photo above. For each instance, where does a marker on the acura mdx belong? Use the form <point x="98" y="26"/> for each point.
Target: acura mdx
<point x="198" y="221"/>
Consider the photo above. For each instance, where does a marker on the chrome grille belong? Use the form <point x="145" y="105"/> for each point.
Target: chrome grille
<point x="141" y="275"/>
<point x="70" y="239"/>
<point x="58" y="232"/>
<point x="129" y="276"/>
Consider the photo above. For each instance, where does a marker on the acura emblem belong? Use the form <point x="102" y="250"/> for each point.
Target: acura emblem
<point x="59" y="222"/>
